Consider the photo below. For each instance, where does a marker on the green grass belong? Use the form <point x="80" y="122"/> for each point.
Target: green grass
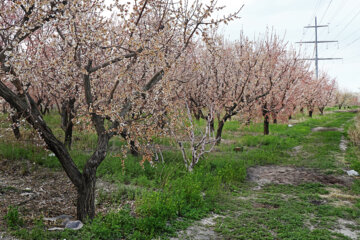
<point x="283" y="212"/>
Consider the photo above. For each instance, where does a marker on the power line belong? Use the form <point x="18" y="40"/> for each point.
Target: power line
<point x="351" y="43"/>
<point x="352" y="34"/>
<point x="322" y="18"/>
<point x="352" y="19"/>
<point x="337" y="11"/>
<point x="348" y="24"/>
<point x="348" y="16"/>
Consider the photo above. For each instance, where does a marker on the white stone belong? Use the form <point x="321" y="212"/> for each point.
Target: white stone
<point x="352" y="173"/>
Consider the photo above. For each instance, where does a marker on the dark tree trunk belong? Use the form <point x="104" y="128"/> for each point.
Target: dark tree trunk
<point x="248" y="121"/>
<point x="290" y="117"/>
<point x="266" y="124"/>
<point x="67" y="115"/>
<point x="275" y="121"/>
<point x="197" y="116"/>
<point x="221" y="126"/>
<point x="86" y="198"/>
<point x="340" y="107"/>
<point x="4" y="108"/>
<point x="321" y="109"/>
<point x="15" y="125"/>
<point x="219" y="131"/>
<point x="133" y="149"/>
<point x="310" y="113"/>
<point x="265" y="114"/>
<point x="86" y="190"/>
<point x="302" y="110"/>
<point x="45" y="108"/>
<point x="212" y="125"/>
<point x="68" y="135"/>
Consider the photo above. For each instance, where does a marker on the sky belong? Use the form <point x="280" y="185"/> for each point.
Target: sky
<point x="289" y="17"/>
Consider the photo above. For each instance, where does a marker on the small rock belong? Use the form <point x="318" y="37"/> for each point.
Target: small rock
<point x="298" y="148"/>
<point x="55" y="229"/>
<point x="352" y="173"/>
<point x="290" y="125"/>
<point x="75" y="225"/>
<point x="52" y="155"/>
<point x="26" y="194"/>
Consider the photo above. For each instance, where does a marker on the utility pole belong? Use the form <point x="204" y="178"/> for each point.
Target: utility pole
<point x="316" y="26"/>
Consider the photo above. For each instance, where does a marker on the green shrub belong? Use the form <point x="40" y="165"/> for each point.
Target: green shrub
<point x="232" y="172"/>
<point x="157" y="204"/>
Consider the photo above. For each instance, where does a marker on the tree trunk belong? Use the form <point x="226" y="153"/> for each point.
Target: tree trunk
<point x="219" y="131"/>
<point x="310" y="113"/>
<point x="4" y="108"/>
<point x="302" y="110"/>
<point x="67" y="115"/>
<point x="45" y="108"/>
<point x="15" y="125"/>
<point x="212" y="125"/>
<point x="265" y="113"/>
<point x="290" y="117"/>
<point x="86" y="197"/>
<point x="86" y="190"/>
<point x="68" y="135"/>
<point x="321" y="111"/>
<point x="248" y="121"/>
<point x="196" y="115"/>
<point x="133" y="149"/>
<point x="275" y="121"/>
<point x="266" y="124"/>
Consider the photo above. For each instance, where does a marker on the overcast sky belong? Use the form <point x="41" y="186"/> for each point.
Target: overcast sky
<point x="290" y="16"/>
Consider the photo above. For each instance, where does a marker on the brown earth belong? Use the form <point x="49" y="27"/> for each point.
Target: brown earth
<point x="35" y="191"/>
<point x="293" y="175"/>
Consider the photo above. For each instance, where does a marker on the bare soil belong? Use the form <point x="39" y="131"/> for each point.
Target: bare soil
<point x="327" y="129"/>
<point x="293" y="175"/>
<point x="35" y="191"/>
<point x="343" y="228"/>
<point x="40" y="192"/>
<point x="201" y="230"/>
